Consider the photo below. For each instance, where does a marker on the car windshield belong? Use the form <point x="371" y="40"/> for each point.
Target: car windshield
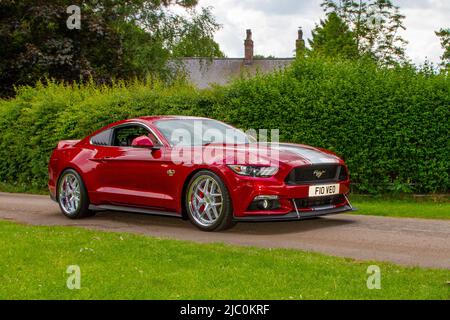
<point x="196" y="132"/>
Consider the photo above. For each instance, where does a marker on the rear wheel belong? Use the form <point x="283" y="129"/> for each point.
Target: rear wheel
<point x="208" y="203"/>
<point x="72" y="196"/>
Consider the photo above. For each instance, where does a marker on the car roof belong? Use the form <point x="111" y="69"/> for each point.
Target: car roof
<point x="169" y="117"/>
<point x="148" y="119"/>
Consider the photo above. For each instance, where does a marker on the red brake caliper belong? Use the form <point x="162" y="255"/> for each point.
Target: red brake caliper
<point x="202" y="208"/>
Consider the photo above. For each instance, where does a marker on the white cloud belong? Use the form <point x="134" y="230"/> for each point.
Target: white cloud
<point x="274" y="24"/>
<point x="423" y="18"/>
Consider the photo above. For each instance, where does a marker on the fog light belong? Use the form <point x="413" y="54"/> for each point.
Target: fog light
<point x="264" y="204"/>
<point x="266" y="197"/>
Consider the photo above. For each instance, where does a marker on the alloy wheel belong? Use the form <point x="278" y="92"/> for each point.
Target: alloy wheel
<point x="69" y="193"/>
<point x="205" y="200"/>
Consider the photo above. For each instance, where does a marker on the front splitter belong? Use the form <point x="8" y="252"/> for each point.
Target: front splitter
<point x="297" y="215"/>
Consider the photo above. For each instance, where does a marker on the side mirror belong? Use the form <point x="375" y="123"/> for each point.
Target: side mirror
<point x="143" y="142"/>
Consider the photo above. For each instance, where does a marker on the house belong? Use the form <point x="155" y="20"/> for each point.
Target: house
<point x="203" y="72"/>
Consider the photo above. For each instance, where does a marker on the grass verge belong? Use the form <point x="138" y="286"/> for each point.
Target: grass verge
<point x="21" y="188"/>
<point x="409" y="207"/>
<point x="127" y="266"/>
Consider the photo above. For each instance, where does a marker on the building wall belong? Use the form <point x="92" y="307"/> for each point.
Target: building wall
<point x="203" y="72"/>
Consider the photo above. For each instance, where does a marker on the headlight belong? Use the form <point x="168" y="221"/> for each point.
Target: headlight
<point x="254" y="171"/>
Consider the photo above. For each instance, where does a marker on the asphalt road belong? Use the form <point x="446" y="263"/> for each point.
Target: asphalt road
<point x="414" y="242"/>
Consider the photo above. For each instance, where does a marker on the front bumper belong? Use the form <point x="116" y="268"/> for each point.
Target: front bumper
<point x="243" y="191"/>
<point x="297" y="214"/>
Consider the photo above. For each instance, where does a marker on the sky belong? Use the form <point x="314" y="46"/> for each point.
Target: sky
<point x="274" y="25"/>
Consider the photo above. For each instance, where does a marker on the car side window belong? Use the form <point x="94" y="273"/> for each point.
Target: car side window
<point x="102" y="139"/>
<point x="124" y="136"/>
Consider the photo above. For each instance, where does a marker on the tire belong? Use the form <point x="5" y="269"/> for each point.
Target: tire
<point x="202" y="197"/>
<point x="75" y="203"/>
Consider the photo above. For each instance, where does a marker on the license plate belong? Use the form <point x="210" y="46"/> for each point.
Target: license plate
<point x="323" y="190"/>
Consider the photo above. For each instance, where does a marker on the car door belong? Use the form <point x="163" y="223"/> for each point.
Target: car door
<point x="132" y="176"/>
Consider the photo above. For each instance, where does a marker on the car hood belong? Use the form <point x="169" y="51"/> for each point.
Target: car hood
<point x="288" y="153"/>
<point x="305" y="154"/>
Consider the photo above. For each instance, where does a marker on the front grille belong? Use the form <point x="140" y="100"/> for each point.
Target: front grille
<point x="304" y="203"/>
<point x="317" y="173"/>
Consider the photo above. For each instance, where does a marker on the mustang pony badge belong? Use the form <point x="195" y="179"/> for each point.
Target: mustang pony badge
<point x="318" y="173"/>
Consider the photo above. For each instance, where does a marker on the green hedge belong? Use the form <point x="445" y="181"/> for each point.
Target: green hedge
<point x="390" y="125"/>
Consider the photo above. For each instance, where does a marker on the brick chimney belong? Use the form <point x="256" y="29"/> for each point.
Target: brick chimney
<point x="300" y="43"/>
<point x="248" y="48"/>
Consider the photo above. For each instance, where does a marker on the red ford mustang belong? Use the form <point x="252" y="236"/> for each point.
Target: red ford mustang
<point x="195" y="168"/>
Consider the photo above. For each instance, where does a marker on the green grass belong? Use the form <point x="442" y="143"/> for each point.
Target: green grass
<point x="429" y="207"/>
<point x="126" y="266"/>
<point x="21" y="188"/>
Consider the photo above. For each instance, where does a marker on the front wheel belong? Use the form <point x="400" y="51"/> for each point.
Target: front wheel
<point x="208" y="203"/>
<point x="72" y="196"/>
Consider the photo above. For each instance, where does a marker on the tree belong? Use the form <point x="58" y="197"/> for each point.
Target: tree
<point x="333" y="38"/>
<point x="196" y="37"/>
<point x="117" y="39"/>
<point x="444" y="36"/>
<point x="35" y="42"/>
<point x="375" y="25"/>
